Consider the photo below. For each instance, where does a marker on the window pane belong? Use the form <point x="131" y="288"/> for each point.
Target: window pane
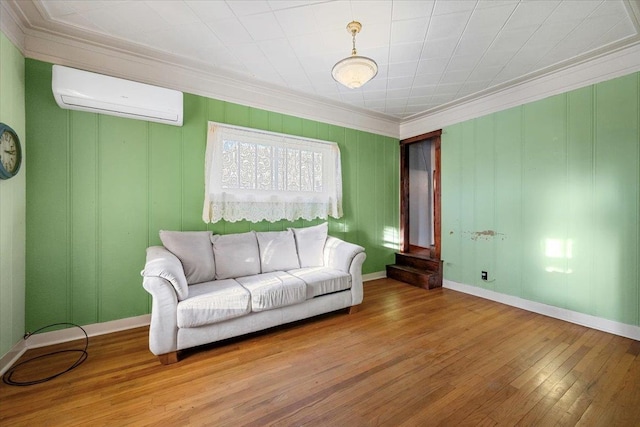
<point x="247" y="166"/>
<point x="306" y="171"/>
<point x="230" y="164"/>
<point x="317" y="172"/>
<point x="264" y="168"/>
<point x="293" y="170"/>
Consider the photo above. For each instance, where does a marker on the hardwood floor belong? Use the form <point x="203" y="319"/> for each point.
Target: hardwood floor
<point x="409" y="357"/>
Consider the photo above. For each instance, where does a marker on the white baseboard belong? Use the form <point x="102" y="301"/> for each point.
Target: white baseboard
<point x="70" y="334"/>
<point x="95" y="329"/>
<point x="605" y="325"/>
<point x="12" y="356"/>
<point x="374" y="276"/>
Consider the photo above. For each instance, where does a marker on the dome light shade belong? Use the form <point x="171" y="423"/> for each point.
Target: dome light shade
<point x="354" y="71"/>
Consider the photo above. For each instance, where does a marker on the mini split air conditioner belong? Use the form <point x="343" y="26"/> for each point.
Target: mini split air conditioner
<point x="81" y="90"/>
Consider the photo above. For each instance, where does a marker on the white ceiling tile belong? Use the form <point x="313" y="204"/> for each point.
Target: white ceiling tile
<point x="445" y="7"/>
<point x="411" y="9"/>
<point x="426" y="79"/>
<point x="512" y="40"/>
<point x="441" y="48"/>
<point x="463" y="62"/>
<point x="374" y="35"/>
<point x="448" y="26"/>
<point x="210" y="10"/>
<point x="248" y="7"/>
<point x="572" y="11"/>
<point x="262" y="26"/>
<point x="369" y="12"/>
<point x="485" y="73"/>
<point x="82" y="6"/>
<point x="484" y="4"/>
<point x="278" y="51"/>
<point x="432" y="66"/>
<point x="470" y="88"/>
<point x="413" y="30"/>
<point x="489" y="20"/>
<point x="124" y="20"/>
<point x="401" y="94"/>
<point x="473" y="44"/>
<point x="297" y="21"/>
<point x="400" y="83"/>
<point x="457" y="78"/>
<point x="173" y="11"/>
<point x="230" y="32"/>
<point x="532" y="13"/>
<point x="403" y="69"/>
<point x="409" y="52"/>
<point x="333" y="15"/>
<point x="288" y="4"/>
<point x="56" y="9"/>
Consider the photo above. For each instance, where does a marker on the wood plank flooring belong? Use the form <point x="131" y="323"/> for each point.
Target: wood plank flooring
<point x="409" y="357"/>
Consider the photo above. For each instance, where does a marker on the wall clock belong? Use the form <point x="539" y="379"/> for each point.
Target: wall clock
<point x="10" y="152"/>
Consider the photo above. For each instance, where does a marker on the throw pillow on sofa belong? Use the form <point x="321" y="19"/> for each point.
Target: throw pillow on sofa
<point x="277" y="251"/>
<point x="193" y="249"/>
<point x="310" y="243"/>
<point x="236" y="255"/>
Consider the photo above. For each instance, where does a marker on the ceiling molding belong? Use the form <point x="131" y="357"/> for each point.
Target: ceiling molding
<point x="608" y="66"/>
<point x="9" y="24"/>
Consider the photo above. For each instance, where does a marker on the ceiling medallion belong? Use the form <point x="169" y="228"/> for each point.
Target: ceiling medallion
<point x="354" y="71"/>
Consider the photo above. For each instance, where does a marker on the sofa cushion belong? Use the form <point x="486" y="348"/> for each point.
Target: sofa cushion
<point x="273" y="290"/>
<point x="213" y="302"/>
<point x="193" y="249"/>
<point x="322" y="280"/>
<point x="310" y="243"/>
<point x="277" y="251"/>
<point x="236" y="255"/>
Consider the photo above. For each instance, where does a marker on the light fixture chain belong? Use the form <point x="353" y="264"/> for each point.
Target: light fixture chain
<point x="353" y="36"/>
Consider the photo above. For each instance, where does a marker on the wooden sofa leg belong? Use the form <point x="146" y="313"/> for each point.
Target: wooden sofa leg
<point x="168" y="358"/>
<point x="354" y="309"/>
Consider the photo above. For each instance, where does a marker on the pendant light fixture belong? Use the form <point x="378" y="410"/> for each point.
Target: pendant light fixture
<point x="354" y="71"/>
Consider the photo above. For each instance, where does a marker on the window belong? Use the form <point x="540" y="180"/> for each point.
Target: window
<point x="257" y="175"/>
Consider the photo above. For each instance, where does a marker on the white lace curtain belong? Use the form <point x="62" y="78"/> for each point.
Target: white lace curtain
<point x="257" y="175"/>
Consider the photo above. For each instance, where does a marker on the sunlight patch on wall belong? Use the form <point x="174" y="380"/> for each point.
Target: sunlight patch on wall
<point x="390" y="238"/>
<point x="560" y="250"/>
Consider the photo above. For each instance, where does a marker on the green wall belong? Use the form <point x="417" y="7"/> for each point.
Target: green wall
<point x="12" y="202"/>
<point x="100" y="188"/>
<point x="545" y="197"/>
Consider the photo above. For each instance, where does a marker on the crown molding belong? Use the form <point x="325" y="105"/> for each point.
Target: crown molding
<point x="10" y="26"/>
<point x="595" y="69"/>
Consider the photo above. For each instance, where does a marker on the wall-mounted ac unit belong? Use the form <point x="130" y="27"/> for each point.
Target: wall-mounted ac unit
<point x="81" y="90"/>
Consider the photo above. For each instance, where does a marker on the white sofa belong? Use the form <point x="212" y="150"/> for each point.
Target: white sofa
<point x="207" y="288"/>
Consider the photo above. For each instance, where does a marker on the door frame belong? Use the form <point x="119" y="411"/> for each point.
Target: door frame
<point x="405" y="246"/>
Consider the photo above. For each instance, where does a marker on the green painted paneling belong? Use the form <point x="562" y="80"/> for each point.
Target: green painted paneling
<point x="101" y="187"/>
<point x="546" y="197"/>
<point x="12" y="201"/>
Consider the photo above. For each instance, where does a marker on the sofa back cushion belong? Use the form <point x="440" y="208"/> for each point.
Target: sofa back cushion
<point x="277" y="251"/>
<point x="193" y="249"/>
<point x="236" y="255"/>
<point x="310" y="243"/>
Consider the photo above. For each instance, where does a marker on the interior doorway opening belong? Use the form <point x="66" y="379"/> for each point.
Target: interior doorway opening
<point x="420" y="194"/>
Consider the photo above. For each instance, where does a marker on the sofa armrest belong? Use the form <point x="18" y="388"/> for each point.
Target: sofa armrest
<point x="163" y="330"/>
<point x="339" y="254"/>
<point x="357" y="289"/>
<point x="164" y="264"/>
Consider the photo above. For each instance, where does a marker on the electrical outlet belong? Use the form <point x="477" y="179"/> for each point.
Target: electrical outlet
<point x="484" y="275"/>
